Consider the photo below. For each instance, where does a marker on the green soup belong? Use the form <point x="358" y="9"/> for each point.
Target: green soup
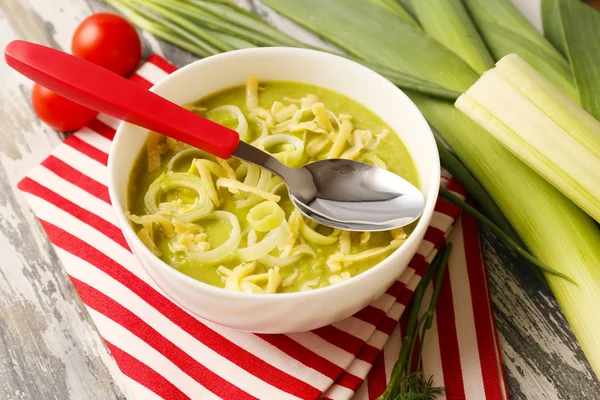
<point x="182" y="208"/>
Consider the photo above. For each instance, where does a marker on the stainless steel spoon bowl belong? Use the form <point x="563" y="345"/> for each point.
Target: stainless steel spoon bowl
<point x="344" y="194"/>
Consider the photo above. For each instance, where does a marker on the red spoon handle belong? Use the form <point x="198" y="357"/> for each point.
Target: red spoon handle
<point x="102" y="90"/>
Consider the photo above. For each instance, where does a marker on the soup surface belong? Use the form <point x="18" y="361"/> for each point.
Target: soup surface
<point x="231" y="224"/>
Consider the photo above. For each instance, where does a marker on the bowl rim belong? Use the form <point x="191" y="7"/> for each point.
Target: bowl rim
<point x="322" y="57"/>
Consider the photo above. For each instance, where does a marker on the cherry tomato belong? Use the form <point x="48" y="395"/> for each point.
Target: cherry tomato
<point x="60" y="113"/>
<point x="109" y="41"/>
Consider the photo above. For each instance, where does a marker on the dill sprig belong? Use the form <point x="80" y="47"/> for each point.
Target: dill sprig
<point x="406" y="383"/>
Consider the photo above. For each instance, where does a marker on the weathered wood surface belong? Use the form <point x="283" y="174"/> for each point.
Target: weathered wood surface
<point x="49" y="347"/>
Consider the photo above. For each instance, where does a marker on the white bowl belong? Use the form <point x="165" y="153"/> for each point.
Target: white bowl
<point x="284" y="312"/>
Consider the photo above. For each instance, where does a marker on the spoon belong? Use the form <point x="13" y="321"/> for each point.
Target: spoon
<point x="340" y="193"/>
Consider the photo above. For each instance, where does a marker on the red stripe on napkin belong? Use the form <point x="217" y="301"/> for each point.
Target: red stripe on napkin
<point x="87" y="149"/>
<point x="450" y="355"/>
<point x="147" y="377"/>
<point x="108" y="307"/>
<point x="102" y="129"/>
<point x="177" y="355"/>
<point x="70" y="174"/>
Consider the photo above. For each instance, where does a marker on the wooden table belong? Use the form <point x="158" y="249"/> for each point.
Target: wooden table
<point x="49" y="347"/>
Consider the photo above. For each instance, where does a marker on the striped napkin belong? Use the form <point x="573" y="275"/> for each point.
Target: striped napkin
<point x="165" y="352"/>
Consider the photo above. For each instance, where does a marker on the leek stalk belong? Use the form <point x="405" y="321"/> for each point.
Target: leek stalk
<point x="395" y="8"/>
<point x="540" y="125"/>
<point x="389" y="42"/>
<point x="448" y="22"/>
<point x="506" y="31"/>
<point x="555" y="230"/>
<point x="448" y="196"/>
<point x="553" y="30"/>
<point x="573" y="26"/>
<point x="453" y="165"/>
<point x="213" y="33"/>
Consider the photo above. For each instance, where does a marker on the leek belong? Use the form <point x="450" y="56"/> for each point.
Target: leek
<point x="541" y="126"/>
<point x="447" y="21"/>
<point x="212" y="33"/>
<point x="453" y="165"/>
<point x="227" y="248"/>
<point x="396" y="9"/>
<point x="574" y="27"/>
<point x="553" y="30"/>
<point x="506" y="31"/>
<point x="265" y="216"/>
<point x="448" y="196"/>
<point x="556" y="232"/>
<point x="389" y="42"/>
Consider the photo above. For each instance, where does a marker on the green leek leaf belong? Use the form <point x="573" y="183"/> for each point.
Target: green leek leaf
<point x="507" y="31"/>
<point x="581" y="28"/>
<point x="553" y="30"/>
<point x="448" y="22"/>
<point x="372" y="33"/>
<point x="394" y="7"/>
<point x="453" y="165"/>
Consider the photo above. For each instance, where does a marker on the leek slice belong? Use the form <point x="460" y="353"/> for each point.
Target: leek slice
<point x="291" y="158"/>
<point x="264" y="183"/>
<point x="190" y="152"/>
<point x="242" y="127"/>
<point x="228" y="247"/>
<point x="255" y="250"/>
<point x="264" y="129"/>
<point x="172" y="180"/>
<point x="315" y="237"/>
<point x="265" y="216"/>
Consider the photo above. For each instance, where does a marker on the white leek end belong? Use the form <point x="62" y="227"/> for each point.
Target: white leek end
<point x="541" y="126"/>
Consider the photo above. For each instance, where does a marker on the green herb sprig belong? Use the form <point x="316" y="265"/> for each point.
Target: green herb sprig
<point x="406" y="383"/>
